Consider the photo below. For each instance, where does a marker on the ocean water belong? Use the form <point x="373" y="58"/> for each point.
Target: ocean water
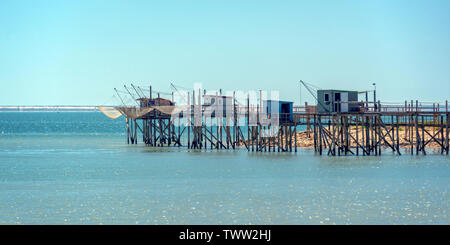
<point x="76" y="168"/>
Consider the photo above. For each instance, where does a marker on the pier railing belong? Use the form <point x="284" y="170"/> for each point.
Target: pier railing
<point x="364" y="106"/>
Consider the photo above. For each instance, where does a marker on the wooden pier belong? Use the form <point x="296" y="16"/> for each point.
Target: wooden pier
<point x="409" y="128"/>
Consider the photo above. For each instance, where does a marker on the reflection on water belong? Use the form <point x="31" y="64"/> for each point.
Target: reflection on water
<point x="75" y="178"/>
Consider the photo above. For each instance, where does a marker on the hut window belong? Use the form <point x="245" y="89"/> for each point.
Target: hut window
<point x="327" y="97"/>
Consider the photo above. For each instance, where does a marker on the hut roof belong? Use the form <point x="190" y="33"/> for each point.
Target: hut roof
<point x="155" y="99"/>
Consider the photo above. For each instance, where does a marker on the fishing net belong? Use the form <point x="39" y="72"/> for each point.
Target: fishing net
<point x="110" y="112"/>
<point x="134" y="112"/>
<point x="171" y="109"/>
<point x="138" y="112"/>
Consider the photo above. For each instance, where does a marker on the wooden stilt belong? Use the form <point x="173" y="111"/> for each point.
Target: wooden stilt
<point x="357" y="135"/>
<point x="423" y="136"/>
<point x="295" y="136"/>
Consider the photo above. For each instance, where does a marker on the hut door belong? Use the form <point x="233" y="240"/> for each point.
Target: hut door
<point x="285" y="112"/>
<point x="344" y="102"/>
<point x="337" y="104"/>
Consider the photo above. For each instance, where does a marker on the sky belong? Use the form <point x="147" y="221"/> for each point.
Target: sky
<point x="77" y="52"/>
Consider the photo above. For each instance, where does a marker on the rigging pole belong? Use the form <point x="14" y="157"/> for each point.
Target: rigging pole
<point x="142" y="96"/>
<point x="119" y="96"/>
<point x="135" y="100"/>
<point x="315" y="97"/>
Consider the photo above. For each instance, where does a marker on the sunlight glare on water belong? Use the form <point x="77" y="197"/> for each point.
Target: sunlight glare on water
<point x="76" y="168"/>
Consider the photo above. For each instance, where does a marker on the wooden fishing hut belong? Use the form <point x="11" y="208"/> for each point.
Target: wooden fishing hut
<point x="411" y="126"/>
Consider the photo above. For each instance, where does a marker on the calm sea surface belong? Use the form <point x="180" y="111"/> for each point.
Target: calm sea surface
<point x="76" y="168"/>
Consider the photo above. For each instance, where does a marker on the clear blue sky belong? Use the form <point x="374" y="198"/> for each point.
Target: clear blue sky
<point x="76" y="52"/>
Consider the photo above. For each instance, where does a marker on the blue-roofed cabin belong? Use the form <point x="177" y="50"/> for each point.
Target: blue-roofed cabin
<point x="284" y="109"/>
